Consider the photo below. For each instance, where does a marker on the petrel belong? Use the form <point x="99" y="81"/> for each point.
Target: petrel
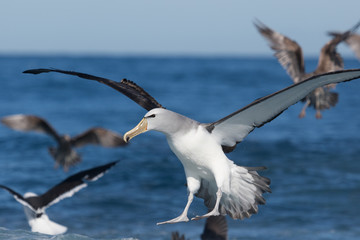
<point x="290" y="56"/>
<point x="35" y="205"/>
<point x="225" y="187"/>
<point x="64" y="154"/>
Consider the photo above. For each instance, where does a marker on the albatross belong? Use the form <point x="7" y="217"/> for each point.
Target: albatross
<point x="201" y="147"/>
<point x="35" y="206"/>
<point x="64" y="155"/>
<point x="290" y="56"/>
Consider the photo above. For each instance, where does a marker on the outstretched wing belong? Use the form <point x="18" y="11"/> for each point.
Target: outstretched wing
<point x="233" y="128"/>
<point x="23" y="122"/>
<point x="98" y="136"/>
<point x="126" y="87"/>
<point x="18" y="197"/>
<point x="68" y="187"/>
<point x="330" y="59"/>
<point x="287" y="51"/>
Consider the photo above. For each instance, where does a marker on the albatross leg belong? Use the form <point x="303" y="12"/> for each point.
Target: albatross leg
<point x="215" y="211"/>
<point x="302" y="113"/>
<point x="318" y="114"/>
<point x="183" y="217"/>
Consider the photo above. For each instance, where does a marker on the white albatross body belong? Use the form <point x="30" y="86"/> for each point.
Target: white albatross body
<point x="197" y="151"/>
<point x="225" y="187"/>
<point x="205" y="163"/>
<point x="42" y="224"/>
<point x="202" y="158"/>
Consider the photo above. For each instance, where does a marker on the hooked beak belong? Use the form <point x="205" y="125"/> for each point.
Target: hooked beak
<point x="140" y="128"/>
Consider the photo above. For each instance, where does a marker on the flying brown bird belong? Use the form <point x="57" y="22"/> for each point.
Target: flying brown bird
<point x="64" y="154"/>
<point x="290" y="56"/>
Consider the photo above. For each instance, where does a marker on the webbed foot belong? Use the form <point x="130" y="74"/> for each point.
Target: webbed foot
<point x="181" y="218"/>
<point x="214" y="212"/>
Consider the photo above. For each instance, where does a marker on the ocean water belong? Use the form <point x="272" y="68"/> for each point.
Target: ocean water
<point x="314" y="164"/>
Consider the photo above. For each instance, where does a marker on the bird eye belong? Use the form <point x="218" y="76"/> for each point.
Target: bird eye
<point x="151" y="116"/>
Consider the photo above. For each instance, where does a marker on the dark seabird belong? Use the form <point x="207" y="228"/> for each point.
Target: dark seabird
<point x="34" y="205"/>
<point x="64" y="154"/>
<point x="215" y="229"/>
<point x="290" y="56"/>
<point x="225" y="187"/>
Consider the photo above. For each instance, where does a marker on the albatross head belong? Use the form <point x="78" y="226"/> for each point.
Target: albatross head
<point x="158" y="119"/>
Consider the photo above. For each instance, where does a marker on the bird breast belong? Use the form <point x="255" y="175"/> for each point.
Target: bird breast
<point x="197" y="149"/>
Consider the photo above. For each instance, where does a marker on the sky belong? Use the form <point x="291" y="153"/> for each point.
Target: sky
<point x="167" y="27"/>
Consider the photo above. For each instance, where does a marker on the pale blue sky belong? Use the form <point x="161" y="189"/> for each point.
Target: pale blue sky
<point x="197" y="27"/>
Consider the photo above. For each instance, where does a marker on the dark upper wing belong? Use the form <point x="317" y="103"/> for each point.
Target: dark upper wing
<point x="69" y="186"/>
<point x="287" y="51"/>
<point x="330" y="59"/>
<point x="99" y="136"/>
<point x="18" y="197"/>
<point x="23" y="122"/>
<point x="126" y="87"/>
<point x="215" y="228"/>
<point x="235" y="127"/>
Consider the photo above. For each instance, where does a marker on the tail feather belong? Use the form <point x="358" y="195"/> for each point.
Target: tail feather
<point x="261" y="182"/>
<point x="327" y="99"/>
<point x="244" y="196"/>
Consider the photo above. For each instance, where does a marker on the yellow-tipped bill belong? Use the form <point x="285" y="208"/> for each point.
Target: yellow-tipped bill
<point x="140" y="128"/>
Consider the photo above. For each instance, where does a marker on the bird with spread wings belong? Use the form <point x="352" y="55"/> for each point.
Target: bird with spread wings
<point x="225" y="187"/>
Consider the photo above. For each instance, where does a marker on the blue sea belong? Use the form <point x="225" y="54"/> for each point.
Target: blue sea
<point x="314" y="164"/>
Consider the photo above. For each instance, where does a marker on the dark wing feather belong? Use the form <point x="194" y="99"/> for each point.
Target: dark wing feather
<point x="69" y="186"/>
<point x="287" y="51"/>
<point x="215" y="228"/>
<point x="142" y="92"/>
<point x="233" y="128"/>
<point x="126" y="87"/>
<point x="98" y="136"/>
<point x="23" y="122"/>
<point x="330" y="59"/>
<point x="18" y="197"/>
